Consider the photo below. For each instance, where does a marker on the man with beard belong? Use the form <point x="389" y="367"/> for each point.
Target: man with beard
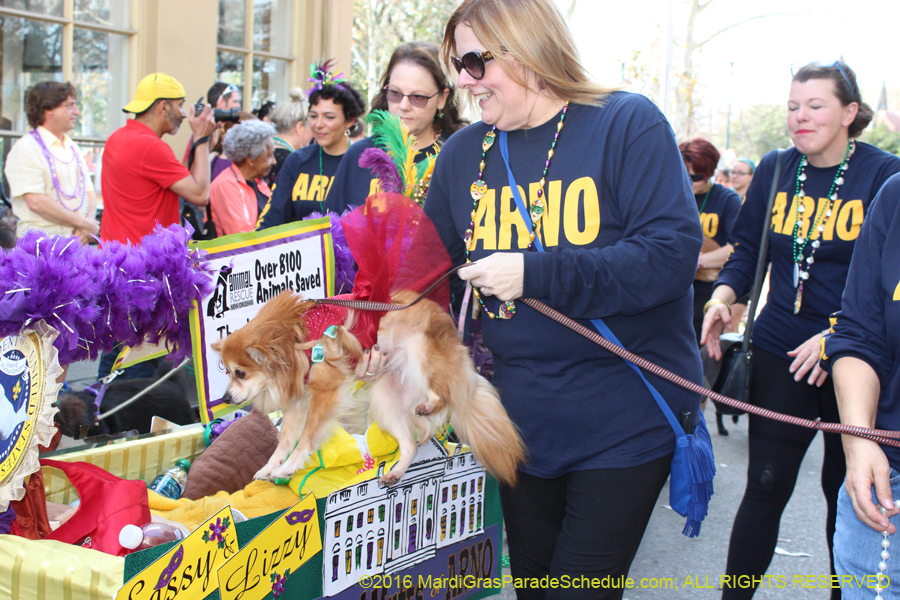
<point x="141" y="178"/>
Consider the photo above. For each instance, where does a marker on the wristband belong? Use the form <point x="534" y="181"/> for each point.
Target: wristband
<point x="713" y="301"/>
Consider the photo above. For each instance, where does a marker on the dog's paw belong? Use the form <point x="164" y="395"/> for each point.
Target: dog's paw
<point x="285" y="471"/>
<point x="391" y="477"/>
<point x="423" y="410"/>
<point x="263" y="474"/>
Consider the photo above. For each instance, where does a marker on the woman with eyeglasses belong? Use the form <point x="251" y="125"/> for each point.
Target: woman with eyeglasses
<point x="307" y="175"/>
<point x="415" y="88"/>
<point x="826" y="186"/>
<point x="741" y="175"/>
<point x="718" y="207"/>
<point x="611" y="233"/>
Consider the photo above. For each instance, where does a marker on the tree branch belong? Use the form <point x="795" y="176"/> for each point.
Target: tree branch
<point x="732" y="26"/>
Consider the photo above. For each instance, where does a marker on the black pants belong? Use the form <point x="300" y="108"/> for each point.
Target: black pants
<point x="585" y="523"/>
<point x="776" y="451"/>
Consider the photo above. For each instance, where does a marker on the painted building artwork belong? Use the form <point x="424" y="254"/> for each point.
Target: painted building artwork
<point x="375" y="529"/>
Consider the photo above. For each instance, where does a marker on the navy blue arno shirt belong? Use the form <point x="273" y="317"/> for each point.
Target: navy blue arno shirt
<point x="778" y="329"/>
<point x="301" y="186"/>
<point x="622" y="235"/>
<point x="868" y="325"/>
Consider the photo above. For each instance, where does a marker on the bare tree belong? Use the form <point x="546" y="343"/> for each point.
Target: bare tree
<point x="687" y="96"/>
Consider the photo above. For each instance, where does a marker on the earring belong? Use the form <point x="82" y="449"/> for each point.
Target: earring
<point x="347" y="132"/>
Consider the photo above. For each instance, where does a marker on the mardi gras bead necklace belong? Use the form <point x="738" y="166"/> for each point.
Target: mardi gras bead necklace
<point x="801" y="264"/>
<point x="80" y="191"/>
<point x="479" y="188"/>
<point x="280" y="143"/>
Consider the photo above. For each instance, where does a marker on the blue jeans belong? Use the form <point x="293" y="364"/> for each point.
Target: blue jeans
<point x="857" y="550"/>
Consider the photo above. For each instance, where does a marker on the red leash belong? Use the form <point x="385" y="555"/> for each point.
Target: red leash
<point x="889" y="438"/>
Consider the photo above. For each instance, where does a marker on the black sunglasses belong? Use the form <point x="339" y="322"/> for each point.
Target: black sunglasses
<point x="417" y="100"/>
<point x="472" y="62"/>
<point x="698" y="178"/>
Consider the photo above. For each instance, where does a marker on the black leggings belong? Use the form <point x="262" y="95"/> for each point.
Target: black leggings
<point x="776" y="451"/>
<point x="585" y="523"/>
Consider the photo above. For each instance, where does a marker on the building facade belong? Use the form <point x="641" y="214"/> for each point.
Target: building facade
<point x="105" y="47"/>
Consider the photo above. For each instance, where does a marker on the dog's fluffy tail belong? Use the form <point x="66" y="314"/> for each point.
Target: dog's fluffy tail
<point x="480" y="421"/>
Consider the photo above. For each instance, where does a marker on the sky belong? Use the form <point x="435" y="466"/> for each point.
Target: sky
<point x="864" y="32"/>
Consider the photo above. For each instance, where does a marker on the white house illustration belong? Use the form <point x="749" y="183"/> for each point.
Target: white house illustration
<point x="375" y="529"/>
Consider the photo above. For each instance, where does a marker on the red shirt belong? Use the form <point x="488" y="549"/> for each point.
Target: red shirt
<point x="138" y="168"/>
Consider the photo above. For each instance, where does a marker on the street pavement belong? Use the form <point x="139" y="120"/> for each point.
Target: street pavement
<point x="666" y="554"/>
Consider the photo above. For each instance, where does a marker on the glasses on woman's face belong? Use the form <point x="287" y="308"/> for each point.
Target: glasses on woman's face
<point x="742" y="173"/>
<point x="417" y="100"/>
<point x="698" y="178"/>
<point x="472" y="62"/>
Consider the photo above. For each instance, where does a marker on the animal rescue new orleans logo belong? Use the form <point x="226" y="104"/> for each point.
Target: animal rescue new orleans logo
<point x="233" y="291"/>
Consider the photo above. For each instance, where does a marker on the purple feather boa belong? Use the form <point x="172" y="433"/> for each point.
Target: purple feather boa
<point x="97" y="297"/>
<point x="344" y="264"/>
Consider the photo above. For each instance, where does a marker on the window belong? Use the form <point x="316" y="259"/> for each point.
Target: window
<point x="430" y="496"/>
<point x="471" y="517"/>
<point x="337" y="530"/>
<point x="398" y="512"/>
<point x="412" y="539"/>
<point x="478" y="517"/>
<point x="480" y="481"/>
<point x="455" y="489"/>
<point x="359" y="519"/>
<point x="414" y="507"/>
<point x="371" y="517"/>
<point x="380" y="547"/>
<point x="464" y="489"/>
<point x="368" y="555"/>
<point x="349" y="523"/>
<point x="444" y="496"/>
<point x="334" y="566"/>
<point x="472" y="487"/>
<point x="428" y="529"/>
<point x="359" y="556"/>
<point x="253" y="50"/>
<point x="452" y="524"/>
<point x="381" y="513"/>
<point x="396" y="539"/>
<point x="443" y="526"/>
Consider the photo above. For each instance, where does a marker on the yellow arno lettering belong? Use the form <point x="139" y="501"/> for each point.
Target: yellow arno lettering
<point x="710" y="224"/>
<point x="330" y="181"/>
<point x="809" y="205"/>
<point x="485" y="225"/>
<point x="301" y="188"/>
<point x="317" y="188"/>
<point x="509" y="216"/>
<point x="850" y="220"/>
<point x="778" y="212"/>
<point x="373" y="187"/>
<point x="548" y="227"/>
<point x="897" y="292"/>
<point x="582" y="190"/>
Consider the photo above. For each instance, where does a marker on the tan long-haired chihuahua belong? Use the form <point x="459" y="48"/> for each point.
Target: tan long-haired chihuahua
<point x="428" y="374"/>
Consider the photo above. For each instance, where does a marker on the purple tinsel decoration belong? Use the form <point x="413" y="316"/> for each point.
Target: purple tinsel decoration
<point x="383" y="167"/>
<point x="344" y="264"/>
<point x="97" y="297"/>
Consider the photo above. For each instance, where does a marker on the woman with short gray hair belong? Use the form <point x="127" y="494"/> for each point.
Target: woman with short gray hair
<point x="238" y="193"/>
<point x="292" y="130"/>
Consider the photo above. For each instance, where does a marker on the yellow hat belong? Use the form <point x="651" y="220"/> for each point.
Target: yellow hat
<point x="151" y="88"/>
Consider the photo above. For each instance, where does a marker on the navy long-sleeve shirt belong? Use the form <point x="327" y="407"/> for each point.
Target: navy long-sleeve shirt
<point x="302" y="185"/>
<point x="622" y="235"/>
<point x="868" y="324"/>
<point x="777" y="328"/>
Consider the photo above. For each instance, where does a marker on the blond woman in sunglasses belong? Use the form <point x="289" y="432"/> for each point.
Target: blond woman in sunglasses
<point x="607" y="229"/>
<point x="824" y="192"/>
<point x="415" y="88"/>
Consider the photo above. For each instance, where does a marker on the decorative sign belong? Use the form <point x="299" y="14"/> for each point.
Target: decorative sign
<point x="373" y="531"/>
<point x="187" y="570"/>
<point x="28" y="373"/>
<point x="264" y="564"/>
<point x="252" y="268"/>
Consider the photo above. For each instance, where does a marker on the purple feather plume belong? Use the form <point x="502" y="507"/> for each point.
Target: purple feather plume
<point x="97" y="297"/>
<point x="344" y="264"/>
<point x="383" y="167"/>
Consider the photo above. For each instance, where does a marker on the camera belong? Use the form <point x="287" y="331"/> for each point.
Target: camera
<point x="219" y="114"/>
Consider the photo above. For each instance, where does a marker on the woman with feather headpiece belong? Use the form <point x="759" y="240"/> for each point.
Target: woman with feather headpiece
<point x="306" y="176"/>
<point x="416" y="91"/>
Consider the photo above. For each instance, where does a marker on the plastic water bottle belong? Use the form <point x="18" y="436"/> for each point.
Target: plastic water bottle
<point x="170" y="483"/>
<point x="148" y="535"/>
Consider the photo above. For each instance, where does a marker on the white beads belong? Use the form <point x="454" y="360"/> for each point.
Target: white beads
<point x="885" y="554"/>
<point x="885" y="544"/>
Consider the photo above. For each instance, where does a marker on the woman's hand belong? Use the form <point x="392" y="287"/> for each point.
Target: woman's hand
<point x="867" y="466"/>
<point x="501" y="274"/>
<point x="806" y="358"/>
<point x="373" y="360"/>
<point x="717" y="318"/>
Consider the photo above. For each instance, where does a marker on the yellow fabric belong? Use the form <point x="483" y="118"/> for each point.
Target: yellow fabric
<point x="151" y="88"/>
<point x="44" y="570"/>
<point x="257" y="499"/>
